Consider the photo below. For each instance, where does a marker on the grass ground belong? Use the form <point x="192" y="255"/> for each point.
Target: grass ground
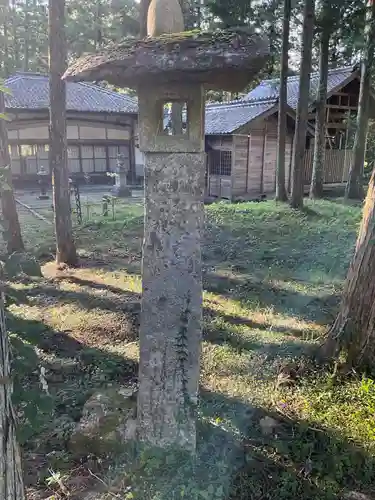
<point x="272" y="282"/>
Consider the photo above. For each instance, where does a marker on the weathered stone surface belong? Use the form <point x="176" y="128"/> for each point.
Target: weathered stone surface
<point x="225" y="59"/>
<point x="164" y="16"/>
<point x="170" y="331"/>
<point x="22" y="263"/>
<point x="108" y="420"/>
<point x="151" y="135"/>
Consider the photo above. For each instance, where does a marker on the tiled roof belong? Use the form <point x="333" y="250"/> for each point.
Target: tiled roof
<point x="269" y="89"/>
<point x="226" y="118"/>
<point x="31" y="91"/>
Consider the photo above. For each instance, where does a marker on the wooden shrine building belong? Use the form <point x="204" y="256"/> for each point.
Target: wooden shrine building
<point x="101" y="125"/>
<point x="241" y="136"/>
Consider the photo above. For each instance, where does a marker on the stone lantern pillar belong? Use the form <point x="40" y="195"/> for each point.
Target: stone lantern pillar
<point x="173" y="71"/>
<point x="170" y="332"/>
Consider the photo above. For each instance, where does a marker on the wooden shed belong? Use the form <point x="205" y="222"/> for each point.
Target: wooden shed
<point x="242" y="161"/>
<point x="241" y="136"/>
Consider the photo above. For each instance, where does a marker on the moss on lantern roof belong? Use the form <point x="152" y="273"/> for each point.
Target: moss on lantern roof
<point x="226" y="59"/>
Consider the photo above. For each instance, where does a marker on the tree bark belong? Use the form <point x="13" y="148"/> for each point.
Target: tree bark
<point x="143" y="10"/>
<point x="15" y="41"/>
<point x="296" y="200"/>
<point x="65" y="247"/>
<point x="354" y="329"/>
<point x="26" y="34"/>
<point x="11" y="477"/>
<point x="281" y="194"/>
<point x="12" y="227"/>
<point x="316" y="187"/>
<point x="4" y="10"/>
<point x="354" y="186"/>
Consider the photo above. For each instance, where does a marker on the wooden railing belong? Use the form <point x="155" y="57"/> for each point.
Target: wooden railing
<point x="336" y="165"/>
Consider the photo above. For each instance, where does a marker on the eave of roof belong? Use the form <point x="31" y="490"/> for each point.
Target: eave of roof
<point x="225" y="118"/>
<point x="30" y="91"/>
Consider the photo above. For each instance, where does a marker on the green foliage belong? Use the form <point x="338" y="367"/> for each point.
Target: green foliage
<point x="90" y="25"/>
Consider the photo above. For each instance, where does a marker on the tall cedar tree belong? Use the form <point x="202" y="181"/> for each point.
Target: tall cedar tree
<point x="354" y="187"/>
<point x="281" y="194"/>
<point x="8" y="203"/>
<point x="316" y="187"/>
<point x="11" y="483"/>
<point x="296" y="200"/>
<point x="353" y="332"/>
<point x="4" y="13"/>
<point x="65" y="247"/>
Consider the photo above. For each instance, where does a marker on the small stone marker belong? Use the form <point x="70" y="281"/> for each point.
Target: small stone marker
<point x="43" y="183"/>
<point x="121" y="188"/>
<point x="168" y="70"/>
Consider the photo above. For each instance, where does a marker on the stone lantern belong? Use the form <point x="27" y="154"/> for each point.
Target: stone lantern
<point x="167" y="70"/>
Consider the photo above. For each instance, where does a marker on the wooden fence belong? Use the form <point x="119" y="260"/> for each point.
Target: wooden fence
<point x="336" y="165"/>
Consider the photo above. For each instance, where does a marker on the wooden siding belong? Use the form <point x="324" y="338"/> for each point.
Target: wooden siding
<point x="336" y="165"/>
<point x="255" y="157"/>
<point x="256" y="153"/>
<point x="240" y="164"/>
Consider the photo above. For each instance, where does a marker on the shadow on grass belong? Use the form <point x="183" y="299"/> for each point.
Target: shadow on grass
<point x="283" y="350"/>
<point x="219" y="328"/>
<point x="73" y="371"/>
<point x="236" y="459"/>
<point x="94" y="285"/>
<point x="124" y="301"/>
<point x="249" y="323"/>
<point x="239" y="458"/>
<point x="291" y="459"/>
<point x="263" y="295"/>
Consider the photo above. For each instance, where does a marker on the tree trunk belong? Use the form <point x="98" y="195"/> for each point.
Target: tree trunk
<point x="15" y="41"/>
<point x="296" y="200"/>
<point x="11" y="477"/>
<point x="316" y="187"/>
<point x="65" y="248"/>
<point x="354" y="186"/>
<point x="283" y="102"/>
<point x="5" y="16"/>
<point x="12" y="228"/>
<point x="26" y="34"/>
<point x="354" y="328"/>
<point x="143" y="10"/>
<point x="98" y="26"/>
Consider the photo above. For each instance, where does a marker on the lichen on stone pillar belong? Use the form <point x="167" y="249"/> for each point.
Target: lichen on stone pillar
<point x="170" y="330"/>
